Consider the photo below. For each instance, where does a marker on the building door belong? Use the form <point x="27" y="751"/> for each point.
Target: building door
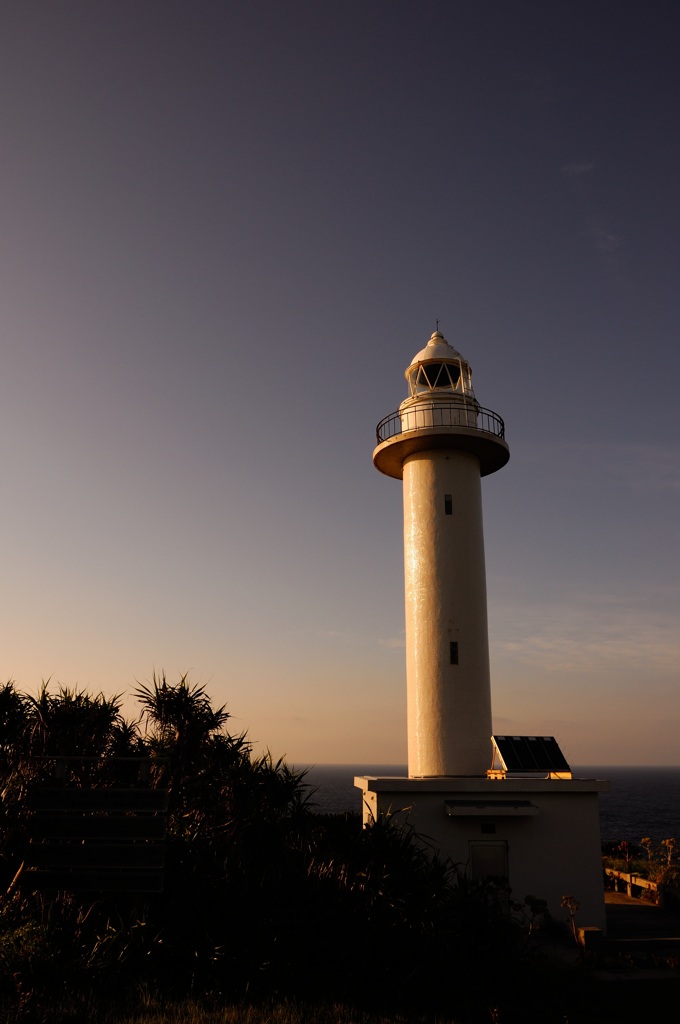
<point x="488" y="860"/>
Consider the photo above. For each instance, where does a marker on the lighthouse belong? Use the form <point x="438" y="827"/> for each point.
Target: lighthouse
<point x="440" y="443"/>
<point x="501" y="806"/>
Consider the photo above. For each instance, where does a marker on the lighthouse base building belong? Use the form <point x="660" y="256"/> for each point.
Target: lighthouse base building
<point x="499" y="806"/>
<point x="542" y="835"/>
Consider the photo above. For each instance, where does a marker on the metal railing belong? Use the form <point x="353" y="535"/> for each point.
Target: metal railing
<point x="426" y="415"/>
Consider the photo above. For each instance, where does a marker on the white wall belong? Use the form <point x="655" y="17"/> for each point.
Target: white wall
<point x="449" y="705"/>
<point x="551" y="853"/>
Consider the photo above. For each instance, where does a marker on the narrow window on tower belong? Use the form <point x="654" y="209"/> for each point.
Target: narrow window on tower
<point x="453" y="650"/>
<point x="448" y="505"/>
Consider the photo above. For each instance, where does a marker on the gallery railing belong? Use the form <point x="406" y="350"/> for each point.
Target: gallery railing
<point x="426" y="415"/>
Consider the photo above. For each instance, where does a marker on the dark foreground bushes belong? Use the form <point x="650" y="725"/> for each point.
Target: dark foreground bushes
<point x="263" y="899"/>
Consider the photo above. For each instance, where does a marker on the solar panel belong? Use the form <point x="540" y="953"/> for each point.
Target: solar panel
<point x="530" y="754"/>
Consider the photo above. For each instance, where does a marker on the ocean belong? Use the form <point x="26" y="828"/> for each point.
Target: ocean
<point x="643" y="801"/>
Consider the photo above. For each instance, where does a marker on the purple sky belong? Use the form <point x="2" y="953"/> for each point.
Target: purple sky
<point x="226" y="229"/>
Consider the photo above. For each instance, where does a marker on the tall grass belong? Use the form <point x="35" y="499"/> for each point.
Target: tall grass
<point x="144" y="1008"/>
<point x="281" y="1013"/>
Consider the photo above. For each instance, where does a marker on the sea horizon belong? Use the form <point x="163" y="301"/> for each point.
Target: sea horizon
<point x="644" y="800"/>
<point x="381" y="764"/>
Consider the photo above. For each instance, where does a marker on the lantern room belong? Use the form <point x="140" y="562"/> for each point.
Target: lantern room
<point x="438" y="369"/>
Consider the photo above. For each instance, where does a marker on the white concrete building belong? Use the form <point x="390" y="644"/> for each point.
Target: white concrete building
<point x="534" y="825"/>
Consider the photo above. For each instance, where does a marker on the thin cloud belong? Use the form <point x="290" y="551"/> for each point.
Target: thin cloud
<point x="575" y="168"/>
<point x="597" y="632"/>
<point x="393" y="643"/>
<point x="606" y="241"/>
<point x="609" y="245"/>
<point x="648" y="468"/>
<point x="325" y="634"/>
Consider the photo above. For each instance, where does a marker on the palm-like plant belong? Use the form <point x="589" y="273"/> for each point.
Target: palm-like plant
<point x="13" y="730"/>
<point x="243" y="847"/>
<point x="13" y="744"/>
<point x="239" y="817"/>
<point x="182" y="726"/>
<point x="73" y="723"/>
<point x="179" y="716"/>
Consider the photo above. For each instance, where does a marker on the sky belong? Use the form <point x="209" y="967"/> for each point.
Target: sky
<point x="227" y="228"/>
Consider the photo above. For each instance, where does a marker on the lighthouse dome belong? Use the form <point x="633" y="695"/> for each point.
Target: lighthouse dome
<point x="436" y="348"/>
<point x="439" y="367"/>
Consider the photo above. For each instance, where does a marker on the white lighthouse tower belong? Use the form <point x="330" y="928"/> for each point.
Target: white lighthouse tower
<point x="503" y="806"/>
<point x="441" y="442"/>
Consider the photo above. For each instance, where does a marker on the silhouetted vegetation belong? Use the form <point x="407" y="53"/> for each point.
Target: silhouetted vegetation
<point x="263" y="899"/>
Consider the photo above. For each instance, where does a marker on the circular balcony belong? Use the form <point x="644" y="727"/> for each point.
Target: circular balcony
<point x="426" y="426"/>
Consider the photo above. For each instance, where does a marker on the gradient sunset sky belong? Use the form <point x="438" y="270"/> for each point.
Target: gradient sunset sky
<point x="227" y="227"/>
